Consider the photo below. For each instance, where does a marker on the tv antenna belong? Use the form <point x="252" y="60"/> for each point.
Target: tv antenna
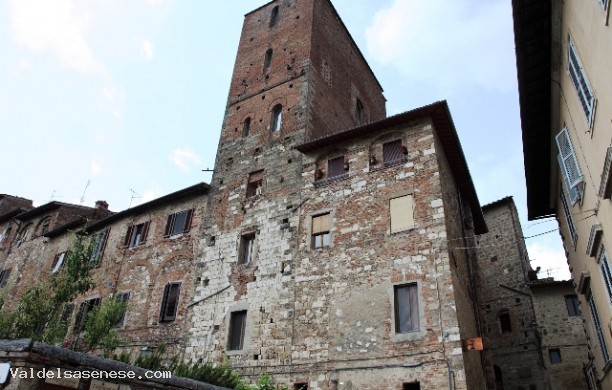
<point x="84" y="191"/>
<point x="134" y="196"/>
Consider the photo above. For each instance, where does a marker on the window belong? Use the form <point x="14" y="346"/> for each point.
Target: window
<point x="99" y="243"/>
<point x="44" y="225"/>
<point x="170" y="301"/>
<point x="122" y="297"/>
<point x="406" y="308"/>
<point x="606" y="272"/>
<point x="267" y="60"/>
<point x="300" y="386"/>
<point x="277" y="118"/>
<point x="84" y="308"/>
<point x="247" y="248"/>
<point x="335" y="168"/>
<point x="274" y="17"/>
<point x="67" y="313"/>
<point x="7" y="233"/>
<point x="603" y="3"/>
<point x="570" y="170"/>
<point x="505" y="324"/>
<point x="178" y="223"/>
<point x="605" y="187"/>
<point x="23" y="234"/>
<point x="58" y="261"/>
<point x="136" y="235"/>
<point x="555" y="355"/>
<point x="581" y="82"/>
<point x="236" y="330"/>
<point x="246" y="127"/>
<point x="392" y="152"/>
<point x="411" y="386"/>
<point x="4" y="276"/>
<point x="359" y="112"/>
<point x="573" y="305"/>
<point x="321" y="230"/>
<point x="598" y="328"/>
<point x="255" y="184"/>
<point x="569" y="219"/>
<point x="402" y="213"/>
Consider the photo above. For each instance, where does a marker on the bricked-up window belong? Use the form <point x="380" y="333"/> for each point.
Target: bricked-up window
<point x="99" y="244"/>
<point x="392" y="152"/>
<point x="178" y="223"/>
<point x="58" y="261"/>
<point x="402" y="213"/>
<point x="84" y="308"/>
<point x="247" y="248"/>
<point x="255" y="183"/>
<point x="555" y="355"/>
<point x="321" y="226"/>
<point x="573" y="305"/>
<point x="136" y="235"/>
<point x="122" y="297"/>
<point x="406" y="308"/>
<point x="246" y="127"/>
<point x="274" y="16"/>
<point x="170" y="301"/>
<point x="4" y="277"/>
<point x="267" y="60"/>
<point x="359" y="112"/>
<point x="277" y="118"/>
<point x="335" y="168"/>
<point x="236" y="330"/>
<point x="505" y="325"/>
<point x="411" y="386"/>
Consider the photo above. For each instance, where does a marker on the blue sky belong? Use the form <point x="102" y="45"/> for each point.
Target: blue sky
<point x="129" y="96"/>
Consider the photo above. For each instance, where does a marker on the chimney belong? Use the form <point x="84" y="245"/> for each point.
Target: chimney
<point x="102" y="205"/>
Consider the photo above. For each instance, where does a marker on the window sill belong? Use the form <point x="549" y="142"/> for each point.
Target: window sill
<point x="329" y="180"/>
<point x="383" y="165"/>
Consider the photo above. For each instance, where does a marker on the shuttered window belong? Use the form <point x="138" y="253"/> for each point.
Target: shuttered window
<point x="170" y="301"/>
<point x="255" y="184"/>
<point x="136" y="235"/>
<point x="581" y="82"/>
<point x="335" y="168"/>
<point x="321" y="231"/>
<point x="392" y="152"/>
<point x="568" y="218"/>
<point x="406" y="308"/>
<point x="598" y="329"/>
<point x="606" y="271"/>
<point x="99" y="244"/>
<point x="236" y="331"/>
<point x="570" y="170"/>
<point x="402" y="213"/>
<point x="84" y="308"/>
<point x="178" y="223"/>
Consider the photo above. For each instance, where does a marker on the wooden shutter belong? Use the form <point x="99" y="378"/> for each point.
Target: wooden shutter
<point x="407" y="309"/>
<point x="188" y="221"/>
<point x="170" y="302"/>
<point x="145" y="231"/>
<point x="335" y="167"/>
<point x="128" y="235"/>
<point x="402" y="213"/>
<point x="169" y="225"/>
<point x="320" y="224"/>
<point x="392" y="151"/>
<point x="105" y="234"/>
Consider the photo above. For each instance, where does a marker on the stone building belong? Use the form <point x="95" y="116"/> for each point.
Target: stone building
<point x="333" y="251"/>
<point x="563" y="55"/>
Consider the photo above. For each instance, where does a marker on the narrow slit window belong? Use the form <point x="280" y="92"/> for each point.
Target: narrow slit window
<point x="274" y="16"/>
<point x="246" y="127"/>
<point x="267" y="60"/>
<point x="504" y="322"/>
<point x="58" y="262"/>
<point x="277" y="118"/>
<point x="359" y="112"/>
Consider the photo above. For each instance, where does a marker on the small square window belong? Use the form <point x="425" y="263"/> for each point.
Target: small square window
<point x="392" y="152"/>
<point x="406" y="308"/>
<point x="58" y="261"/>
<point x="555" y="355"/>
<point x="178" y="223"/>
<point x="255" y="184"/>
<point x="236" y="331"/>
<point x="321" y="236"/>
<point x="402" y="213"/>
<point x="573" y="305"/>
<point x="247" y="249"/>
<point x="335" y="168"/>
<point x="170" y="302"/>
<point x="136" y="235"/>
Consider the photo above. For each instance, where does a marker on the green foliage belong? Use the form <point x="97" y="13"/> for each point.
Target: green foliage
<point x="265" y="382"/>
<point x="152" y="361"/>
<point x="220" y="376"/>
<point x="39" y="312"/>
<point x="100" y="326"/>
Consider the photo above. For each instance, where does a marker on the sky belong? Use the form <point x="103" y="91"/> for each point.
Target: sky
<point x="123" y="100"/>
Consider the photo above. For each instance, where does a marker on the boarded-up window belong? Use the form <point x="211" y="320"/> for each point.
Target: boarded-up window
<point x="321" y="230"/>
<point x="402" y="213"/>
<point x="178" y="223"/>
<point x="136" y="235"/>
<point x="236" y="331"/>
<point x="406" y="308"/>
<point x="170" y="301"/>
<point x="392" y="152"/>
<point x="335" y="167"/>
<point x="255" y="184"/>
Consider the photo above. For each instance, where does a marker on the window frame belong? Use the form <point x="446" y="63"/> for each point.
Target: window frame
<point x="236" y="342"/>
<point x="568" y="218"/>
<point x="85" y="307"/>
<point x="323" y="231"/>
<point x="99" y="245"/>
<point x="268" y="60"/>
<point x="165" y="302"/>
<point x="572" y="303"/>
<point x="394" y="149"/>
<point x="580" y="81"/>
<point x="359" y="112"/>
<point x="336" y="166"/>
<point x="248" y="248"/>
<point x="58" y="261"/>
<point x="413" y="307"/>
<point x="171" y="223"/>
<point x="598" y="329"/>
<point x="123" y="296"/>
<point x="606" y="270"/>
<point x="276" y="123"/>
<point x="22" y="235"/>
<point x="255" y="183"/>
<point x="505" y="321"/>
<point x="246" y="127"/>
<point x="554" y="355"/>
<point x="568" y="164"/>
<point x="136" y="235"/>
<point x="274" y="17"/>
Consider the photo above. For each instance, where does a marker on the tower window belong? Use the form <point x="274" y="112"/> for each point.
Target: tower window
<point x="359" y="112"/>
<point x="504" y="322"/>
<point x="246" y="127"/>
<point x="236" y="331"/>
<point x="255" y="184"/>
<point x="274" y="17"/>
<point x="277" y="118"/>
<point x="247" y="247"/>
<point x="321" y="231"/>
<point x="267" y="60"/>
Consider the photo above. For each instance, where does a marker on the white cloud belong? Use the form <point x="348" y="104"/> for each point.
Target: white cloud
<point x="552" y="261"/>
<point x="95" y="166"/>
<point x="56" y="27"/>
<point x="447" y="43"/>
<point x="25" y="64"/>
<point x="184" y="158"/>
<point x="146" y="49"/>
<point x="110" y="93"/>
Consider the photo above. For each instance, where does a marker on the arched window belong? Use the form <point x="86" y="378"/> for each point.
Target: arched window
<point x="44" y="225"/>
<point x="359" y="112"/>
<point x="267" y="60"/>
<point x="274" y="16"/>
<point x="277" y="118"/>
<point x="246" y="127"/>
<point x="23" y="234"/>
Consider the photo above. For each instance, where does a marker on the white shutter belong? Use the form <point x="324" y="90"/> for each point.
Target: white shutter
<point x="569" y="166"/>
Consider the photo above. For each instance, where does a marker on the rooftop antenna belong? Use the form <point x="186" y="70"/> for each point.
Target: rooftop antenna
<point x="134" y="196"/>
<point x="85" y="190"/>
<point x="52" y="196"/>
